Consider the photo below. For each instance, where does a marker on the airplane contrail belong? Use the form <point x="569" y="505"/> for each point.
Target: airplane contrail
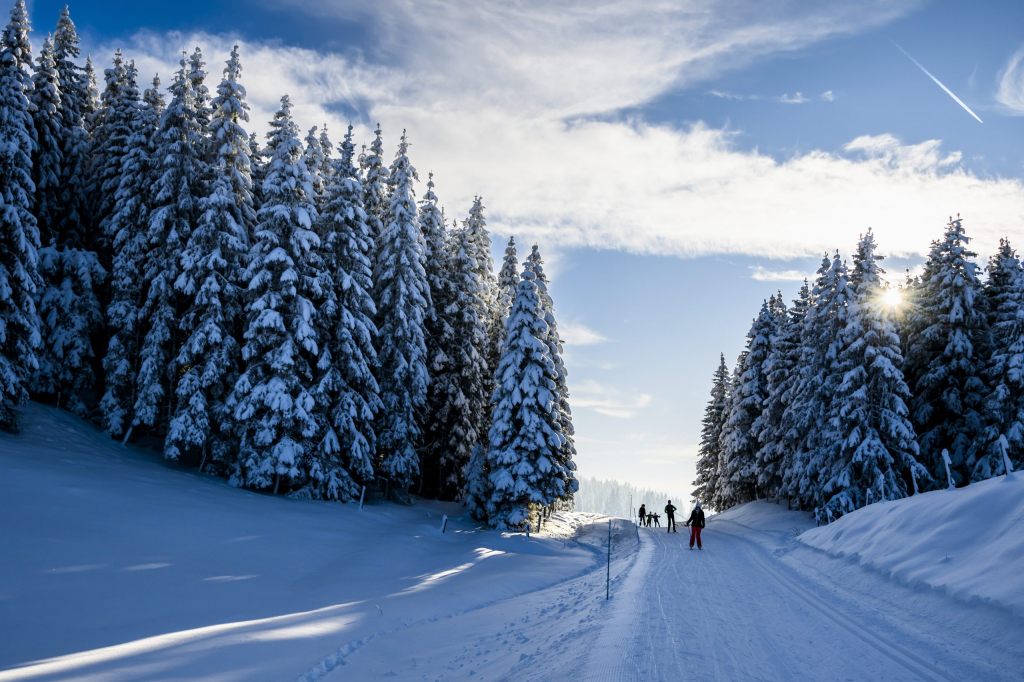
<point x="938" y="82"/>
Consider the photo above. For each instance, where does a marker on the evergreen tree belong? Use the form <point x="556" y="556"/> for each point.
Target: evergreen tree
<point x="719" y="499"/>
<point x="200" y="93"/>
<point x="112" y="125"/>
<point x="128" y="225"/>
<point x="524" y="443"/>
<point x="375" y="187"/>
<point x="179" y="170"/>
<point x="508" y="279"/>
<point x="567" y="453"/>
<point x="258" y="165"/>
<point x="947" y="349"/>
<point x="48" y="162"/>
<point x="1004" y="410"/>
<point x="209" y="284"/>
<point x="347" y="387"/>
<point x="72" y="215"/>
<point x="705" y="487"/>
<point x="274" y="400"/>
<point x="317" y="160"/>
<point x="19" y="234"/>
<point x="739" y="439"/>
<point x="877" y="451"/>
<point x="91" y="110"/>
<point x="403" y="299"/>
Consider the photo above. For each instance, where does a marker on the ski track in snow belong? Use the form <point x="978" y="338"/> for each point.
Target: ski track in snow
<point x="758" y="605"/>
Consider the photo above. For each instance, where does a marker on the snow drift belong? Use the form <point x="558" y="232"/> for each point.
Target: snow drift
<point x="967" y="542"/>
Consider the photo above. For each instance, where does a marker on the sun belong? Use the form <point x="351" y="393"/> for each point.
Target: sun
<point x="893" y="298"/>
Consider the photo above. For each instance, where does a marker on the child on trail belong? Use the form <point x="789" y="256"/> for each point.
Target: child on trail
<point x="670" y="514"/>
<point x="643" y="513"/>
<point x="696" y="524"/>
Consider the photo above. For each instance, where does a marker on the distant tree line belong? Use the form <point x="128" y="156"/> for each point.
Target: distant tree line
<point x="853" y="395"/>
<point x="288" y="315"/>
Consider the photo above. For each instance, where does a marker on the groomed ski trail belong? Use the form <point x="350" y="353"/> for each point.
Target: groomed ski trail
<point x="758" y="605"/>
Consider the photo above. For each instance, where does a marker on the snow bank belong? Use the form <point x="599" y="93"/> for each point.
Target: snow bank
<point x="968" y="542"/>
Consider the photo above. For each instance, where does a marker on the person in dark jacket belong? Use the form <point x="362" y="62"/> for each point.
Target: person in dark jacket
<point x="696" y="524"/>
<point x="670" y="514"/>
<point x="643" y="513"/>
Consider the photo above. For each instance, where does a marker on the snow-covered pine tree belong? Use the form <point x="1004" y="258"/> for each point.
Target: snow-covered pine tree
<point x="347" y="389"/>
<point x="947" y="348"/>
<point x="508" y="279"/>
<point x="524" y="444"/>
<point x="69" y="311"/>
<point x="180" y="172"/>
<point x="48" y="159"/>
<point x="439" y="340"/>
<point x="777" y="369"/>
<point x="782" y="374"/>
<point x="706" y="484"/>
<point x="718" y="499"/>
<point x="19" y="234"/>
<point x="1004" y="409"/>
<point x="210" y="286"/>
<point x="72" y="219"/>
<point x="258" y="163"/>
<point x="91" y="110"/>
<point x="877" y="451"/>
<point x="478" y="483"/>
<point x="375" y="187"/>
<point x="200" y="93"/>
<point x="128" y="225"/>
<point x="739" y="439"/>
<point x="567" y="453"/>
<point x="402" y="295"/>
<point x="317" y="160"/>
<point x="274" y="399"/>
<point x="112" y="124"/>
<point x="480" y="241"/>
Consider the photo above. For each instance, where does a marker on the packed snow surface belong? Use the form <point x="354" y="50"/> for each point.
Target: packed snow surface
<point x="118" y="566"/>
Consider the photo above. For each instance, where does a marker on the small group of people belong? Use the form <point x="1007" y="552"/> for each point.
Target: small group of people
<point x="695" y="522"/>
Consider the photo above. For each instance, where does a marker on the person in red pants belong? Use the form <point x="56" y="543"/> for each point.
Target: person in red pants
<point x="696" y="524"/>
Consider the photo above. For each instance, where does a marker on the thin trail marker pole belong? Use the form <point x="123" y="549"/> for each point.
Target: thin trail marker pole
<point x="362" y="496"/>
<point x="608" y="574"/>
<point x="444" y="523"/>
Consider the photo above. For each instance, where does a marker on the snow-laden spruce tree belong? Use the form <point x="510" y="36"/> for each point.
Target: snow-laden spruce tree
<point x="48" y="159"/>
<point x="375" y="187"/>
<point x="782" y="371"/>
<point x="128" y="225"/>
<point x="1004" y="409"/>
<point x="717" y="499"/>
<point x="777" y="369"/>
<point x="739" y="443"/>
<point x="111" y="126"/>
<point x="479" y="239"/>
<point x="180" y="170"/>
<point x="274" y="399"/>
<point x="877" y="455"/>
<point x="947" y="348"/>
<point x="508" y="280"/>
<point x="524" y="441"/>
<point x="19" y="234"/>
<point x="258" y="163"/>
<point x="200" y="92"/>
<point x="567" y="453"/>
<point x="318" y="160"/>
<point x="91" y="108"/>
<point x="72" y="219"/>
<point x="402" y="295"/>
<point x="706" y="484"/>
<point x="210" y="286"/>
<point x="459" y="374"/>
<point x="347" y="390"/>
<point x="805" y="418"/>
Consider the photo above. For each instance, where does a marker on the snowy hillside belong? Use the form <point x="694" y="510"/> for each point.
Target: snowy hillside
<point x="119" y="566"/>
<point x="968" y="542"/>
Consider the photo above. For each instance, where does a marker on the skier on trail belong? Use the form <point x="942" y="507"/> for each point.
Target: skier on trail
<point x="670" y="512"/>
<point x="696" y="523"/>
<point x="643" y="513"/>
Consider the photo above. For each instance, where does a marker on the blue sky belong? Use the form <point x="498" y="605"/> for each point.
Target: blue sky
<point x="677" y="162"/>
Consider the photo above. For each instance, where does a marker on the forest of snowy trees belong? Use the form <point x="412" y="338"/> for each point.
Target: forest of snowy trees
<point x="286" y="315"/>
<point x="618" y="498"/>
<point x="858" y="393"/>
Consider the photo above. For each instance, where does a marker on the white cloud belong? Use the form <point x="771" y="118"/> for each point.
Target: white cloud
<point x="1010" y="92"/>
<point x="490" y="116"/>
<point x="795" y="98"/>
<point x="610" y="402"/>
<point x="827" y="96"/>
<point x="763" y="274"/>
<point x="578" y="334"/>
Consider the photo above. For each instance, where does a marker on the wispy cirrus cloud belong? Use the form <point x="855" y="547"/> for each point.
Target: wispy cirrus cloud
<point x="1010" y="90"/>
<point x="579" y="334"/>
<point x="763" y="274"/>
<point x="607" y="400"/>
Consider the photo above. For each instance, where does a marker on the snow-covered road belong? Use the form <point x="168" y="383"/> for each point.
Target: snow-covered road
<point x="758" y="605"/>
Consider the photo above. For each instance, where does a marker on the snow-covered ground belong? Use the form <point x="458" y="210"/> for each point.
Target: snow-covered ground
<point x="117" y="566"/>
